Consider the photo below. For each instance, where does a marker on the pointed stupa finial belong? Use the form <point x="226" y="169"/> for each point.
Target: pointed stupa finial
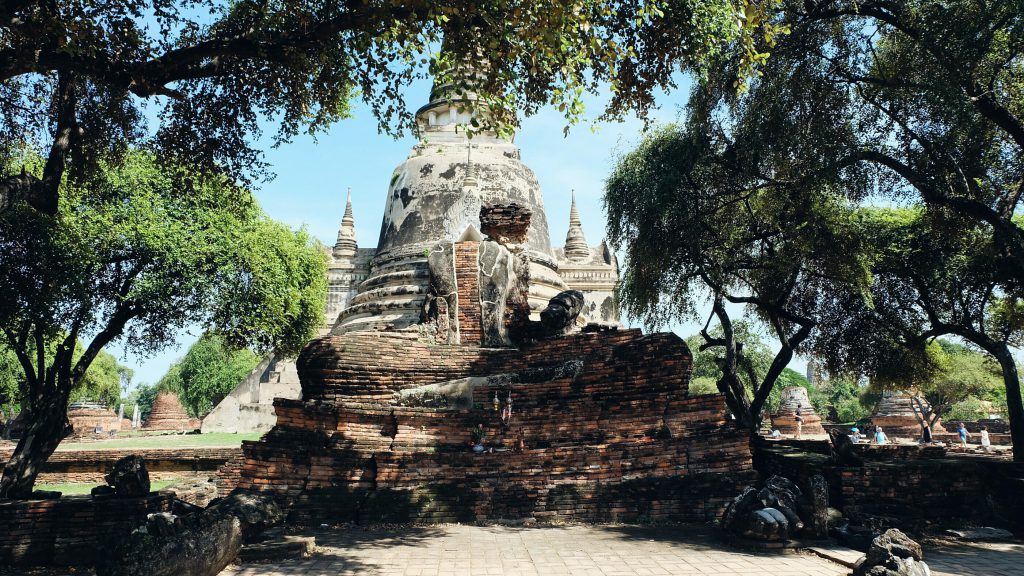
<point x="346" y="244"/>
<point x="576" y="247"/>
<point x="348" y="208"/>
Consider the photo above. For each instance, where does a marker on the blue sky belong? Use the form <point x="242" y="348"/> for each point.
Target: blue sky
<point x="313" y="175"/>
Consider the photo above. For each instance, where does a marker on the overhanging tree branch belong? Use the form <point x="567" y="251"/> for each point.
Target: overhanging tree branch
<point x="890" y="13"/>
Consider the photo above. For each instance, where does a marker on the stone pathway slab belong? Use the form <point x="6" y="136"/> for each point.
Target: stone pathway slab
<point x="456" y="550"/>
<point x="977" y="559"/>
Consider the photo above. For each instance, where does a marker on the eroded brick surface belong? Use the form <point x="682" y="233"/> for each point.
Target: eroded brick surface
<point x="609" y="431"/>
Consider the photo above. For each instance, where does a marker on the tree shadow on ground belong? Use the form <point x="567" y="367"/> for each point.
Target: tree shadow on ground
<point x="338" y="550"/>
<point x="693" y="535"/>
<point x="373" y="537"/>
<point x="337" y="553"/>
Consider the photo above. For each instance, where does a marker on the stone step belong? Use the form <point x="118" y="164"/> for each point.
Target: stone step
<point x="278" y="549"/>
<point x="839" y="554"/>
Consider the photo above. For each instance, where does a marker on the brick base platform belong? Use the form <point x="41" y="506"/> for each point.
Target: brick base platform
<point x="609" y="433"/>
<point x="67" y="531"/>
<point x="91" y="465"/>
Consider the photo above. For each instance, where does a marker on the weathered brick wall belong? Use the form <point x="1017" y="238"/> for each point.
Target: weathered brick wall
<point x="912" y="489"/>
<point x="98" y="477"/>
<point x="91" y="465"/>
<point x="994" y="426"/>
<point x="466" y="267"/>
<point x="229" y="474"/>
<point x="373" y="366"/>
<point x="613" y="438"/>
<point x="68" y="531"/>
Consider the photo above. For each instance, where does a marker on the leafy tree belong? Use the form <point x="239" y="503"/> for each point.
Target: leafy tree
<point x="843" y="395"/>
<point x="851" y="410"/>
<point x="132" y="259"/>
<point x="695" y="216"/>
<point x="105" y="381"/>
<point x="76" y="76"/>
<point x="968" y="409"/>
<point x="11" y="376"/>
<point x="925" y="94"/>
<point x="208" y="372"/>
<point x="701" y="385"/>
<point x="756" y="359"/>
<point x="932" y="275"/>
<point x="171" y="380"/>
<point x="707" y="362"/>
<point x="915" y="102"/>
<point x="963" y="374"/>
<point x="142" y="395"/>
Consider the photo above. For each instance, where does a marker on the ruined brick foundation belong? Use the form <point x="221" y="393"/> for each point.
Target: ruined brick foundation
<point x="71" y="530"/>
<point x="161" y="463"/>
<point x="609" y="430"/>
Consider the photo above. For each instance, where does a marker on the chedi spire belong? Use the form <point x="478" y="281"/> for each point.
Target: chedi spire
<point x="576" y="247"/>
<point x="346" y="244"/>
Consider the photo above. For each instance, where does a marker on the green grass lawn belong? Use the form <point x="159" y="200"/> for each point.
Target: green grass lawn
<point x="215" y="439"/>
<point x="86" y="487"/>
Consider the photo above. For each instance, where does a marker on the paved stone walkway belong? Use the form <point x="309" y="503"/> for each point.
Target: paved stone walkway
<point x="541" y="551"/>
<point x="981" y="559"/>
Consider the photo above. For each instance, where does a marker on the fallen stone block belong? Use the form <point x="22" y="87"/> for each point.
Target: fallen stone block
<point x="893" y="554"/>
<point x="200" y="544"/>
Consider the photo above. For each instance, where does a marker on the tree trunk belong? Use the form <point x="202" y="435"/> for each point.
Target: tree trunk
<point x="47" y="419"/>
<point x="14" y="189"/>
<point x="1014" y="404"/>
<point x="731" y="387"/>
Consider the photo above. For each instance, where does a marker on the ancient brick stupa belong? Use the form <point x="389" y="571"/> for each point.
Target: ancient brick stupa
<point x="794" y="399"/>
<point x="169" y="414"/>
<point x="457" y="384"/>
<point x="895" y="414"/>
<point x="92" y="417"/>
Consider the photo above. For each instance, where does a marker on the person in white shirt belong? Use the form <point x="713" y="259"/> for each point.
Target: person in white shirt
<point x="986" y="444"/>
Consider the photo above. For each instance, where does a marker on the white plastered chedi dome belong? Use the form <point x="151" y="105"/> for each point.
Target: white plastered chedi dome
<point x="434" y="196"/>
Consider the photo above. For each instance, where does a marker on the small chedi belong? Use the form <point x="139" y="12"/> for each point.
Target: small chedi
<point x="169" y="414"/>
<point x="795" y="403"/>
<point x="91" y="417"/>
<point x="467" y="379"/>
<point x="895" y="414"/>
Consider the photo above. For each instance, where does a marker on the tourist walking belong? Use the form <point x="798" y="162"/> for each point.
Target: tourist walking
<point x="799" y="424"/>
<point x="986" y="444"/>
<point x="964" y="434"/>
